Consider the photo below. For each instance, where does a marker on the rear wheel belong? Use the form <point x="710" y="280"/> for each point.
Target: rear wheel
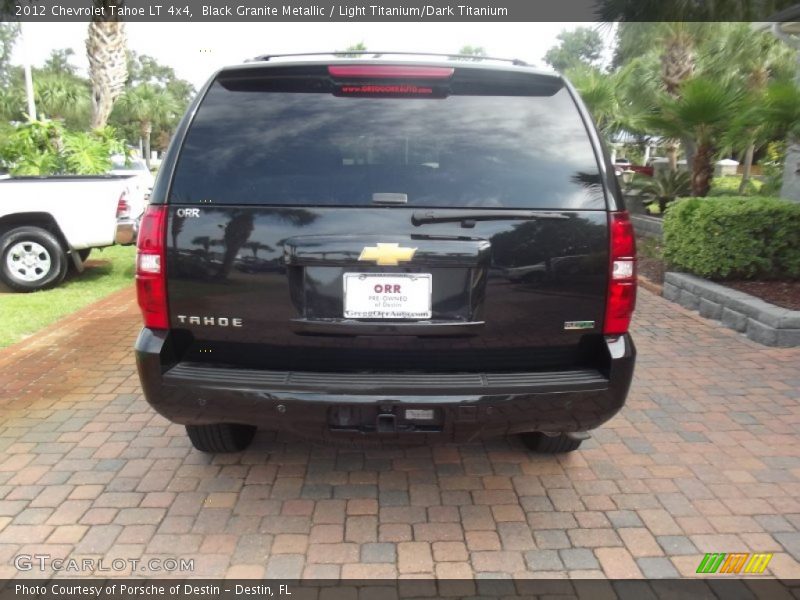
<point x="31" y="258"/>
<point x="221" y="437"/>
<point x="551" y="444"/>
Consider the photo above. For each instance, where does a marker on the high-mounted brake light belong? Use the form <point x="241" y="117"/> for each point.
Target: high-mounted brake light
<point x="622" y="274"/>
<point x="390" y="71"/>
<point x="151" y="278"/>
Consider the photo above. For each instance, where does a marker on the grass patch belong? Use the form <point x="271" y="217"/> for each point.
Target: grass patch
<point x="107" y="270"/>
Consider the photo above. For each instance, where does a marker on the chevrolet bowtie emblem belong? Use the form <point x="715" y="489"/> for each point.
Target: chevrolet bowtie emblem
<point x="387" y="254"/>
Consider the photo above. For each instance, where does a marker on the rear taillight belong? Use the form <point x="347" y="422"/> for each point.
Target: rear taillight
<point x="123" y="208"/>
<point x="390" y="71"/>
<point x="621" y="274"/>
<point x="151" y="279"/>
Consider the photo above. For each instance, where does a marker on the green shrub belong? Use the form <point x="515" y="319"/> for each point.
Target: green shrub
<point x="728" y="185"/>
<point x="46" y="148"/>
<point x="734" y="238"/>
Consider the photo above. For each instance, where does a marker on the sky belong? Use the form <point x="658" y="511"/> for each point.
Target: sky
<point x="196" y="50"/>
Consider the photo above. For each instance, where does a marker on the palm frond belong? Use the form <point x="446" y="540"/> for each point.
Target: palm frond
<point x="703" y="110"/>
<point x="781" y="110"/>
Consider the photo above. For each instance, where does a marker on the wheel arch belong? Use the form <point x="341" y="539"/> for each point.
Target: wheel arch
<point x="43" y="220"/>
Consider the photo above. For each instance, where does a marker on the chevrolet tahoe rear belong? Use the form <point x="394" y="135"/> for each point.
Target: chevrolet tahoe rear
<point x="385" y="249"/>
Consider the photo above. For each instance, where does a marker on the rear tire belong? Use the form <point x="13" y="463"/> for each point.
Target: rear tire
<point x="220" y="437"/>
<point x="546" y="444"/>
<point x="31" y="258"/>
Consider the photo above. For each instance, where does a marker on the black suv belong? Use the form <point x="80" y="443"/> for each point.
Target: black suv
<point x="384" y="248"/>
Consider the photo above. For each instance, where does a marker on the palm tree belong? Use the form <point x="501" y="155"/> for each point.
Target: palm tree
<point x="782" y="108"/>
<point x="608" y="97"/>
<point x="12" y="101"/>
<point x="678" y="60"/>
<point x="147" y="105"/>
<point x="620" y="101"/>
<point x="781" y="115"/>
<point x="675" y="41"/>
<point x="236" y="234"/>
<point x="108" y="66"/>
<point x="59" y="95"/>
<point x="702" y="114"/>
<point x="749" y="59"/>
<point x="204" y="241"/>
<point x="666" y="187"/>
<point x="678" y="56"/>
<point x="256" y="246"/>
<point x="176" y="228"/>
<point x="599" y="92"/>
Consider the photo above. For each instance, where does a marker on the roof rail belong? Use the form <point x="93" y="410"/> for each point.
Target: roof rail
<point x="371" y="54"/>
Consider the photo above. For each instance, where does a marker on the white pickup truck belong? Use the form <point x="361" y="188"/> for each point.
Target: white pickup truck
<point x="47" y="222"/>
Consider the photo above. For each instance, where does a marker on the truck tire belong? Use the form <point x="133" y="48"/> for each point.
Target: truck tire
<point x="220" y="437"/>
<point x="31" y="258"/>
<point x="542" y="443"/>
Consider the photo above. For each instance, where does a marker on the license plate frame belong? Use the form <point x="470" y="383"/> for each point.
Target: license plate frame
<point x="416" y="288"/>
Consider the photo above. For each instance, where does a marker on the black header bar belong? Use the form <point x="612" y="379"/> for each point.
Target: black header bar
<point x="390" y="10"/>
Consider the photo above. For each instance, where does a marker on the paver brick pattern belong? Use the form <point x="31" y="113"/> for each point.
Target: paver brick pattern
<point x="704" y="458"/>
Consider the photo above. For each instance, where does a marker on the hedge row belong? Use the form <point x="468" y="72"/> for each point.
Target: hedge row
<point x="734" y="238"/>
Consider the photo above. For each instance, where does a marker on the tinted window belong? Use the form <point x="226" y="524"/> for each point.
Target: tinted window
<point x="261" y="146"/>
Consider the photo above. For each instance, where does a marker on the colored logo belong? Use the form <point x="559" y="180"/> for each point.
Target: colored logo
<point x="734" y="563"/>
<point x="387" y="254"/>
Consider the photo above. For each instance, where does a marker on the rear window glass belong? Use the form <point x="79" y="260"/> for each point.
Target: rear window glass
<point x="251" y="144"/>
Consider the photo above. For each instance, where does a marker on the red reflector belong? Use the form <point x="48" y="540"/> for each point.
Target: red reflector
<point x="619" y="310"/>
<point x="621" y="299"/>
<point x="151" y="277"/>
<point x="390" y="71"/>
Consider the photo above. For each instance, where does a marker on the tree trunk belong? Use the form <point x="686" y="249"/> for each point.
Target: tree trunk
<point x="237" y="232"/>
<point x="677" y="61"/>
<point x="672" y="155"/>
<point x="790" y="186"/>
<point x="102" y="104"/>
<point x="746" y="167"/>
<point x="702" y="170"/>
<point x="688" y="150"/>
<point x="108" y="68"/>
<point x="790" y="189"/>
<point x="147" y="130"/>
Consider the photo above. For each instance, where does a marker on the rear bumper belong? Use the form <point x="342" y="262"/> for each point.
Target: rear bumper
<point x="460" y="405"/>
<point x="126" y="231"/>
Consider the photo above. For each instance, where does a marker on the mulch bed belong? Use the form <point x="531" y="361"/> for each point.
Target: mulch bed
<point x="652" y="268"/>
<point x="785" y="294"/>
<point x="780" y="293"/>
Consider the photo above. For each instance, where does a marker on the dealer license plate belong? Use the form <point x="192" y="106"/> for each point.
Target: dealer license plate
<point x="387" y="296"/>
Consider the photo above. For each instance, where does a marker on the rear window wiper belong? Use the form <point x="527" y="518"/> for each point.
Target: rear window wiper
<point x="468" y="218"/>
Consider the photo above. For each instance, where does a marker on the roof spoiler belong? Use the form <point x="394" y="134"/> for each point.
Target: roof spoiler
<point x="371" y="54"/>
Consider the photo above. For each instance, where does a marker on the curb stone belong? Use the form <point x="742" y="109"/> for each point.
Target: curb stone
<point x="760" y="321"/>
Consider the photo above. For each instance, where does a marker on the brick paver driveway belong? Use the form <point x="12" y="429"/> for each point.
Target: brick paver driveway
<point x="705" y="458"/>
